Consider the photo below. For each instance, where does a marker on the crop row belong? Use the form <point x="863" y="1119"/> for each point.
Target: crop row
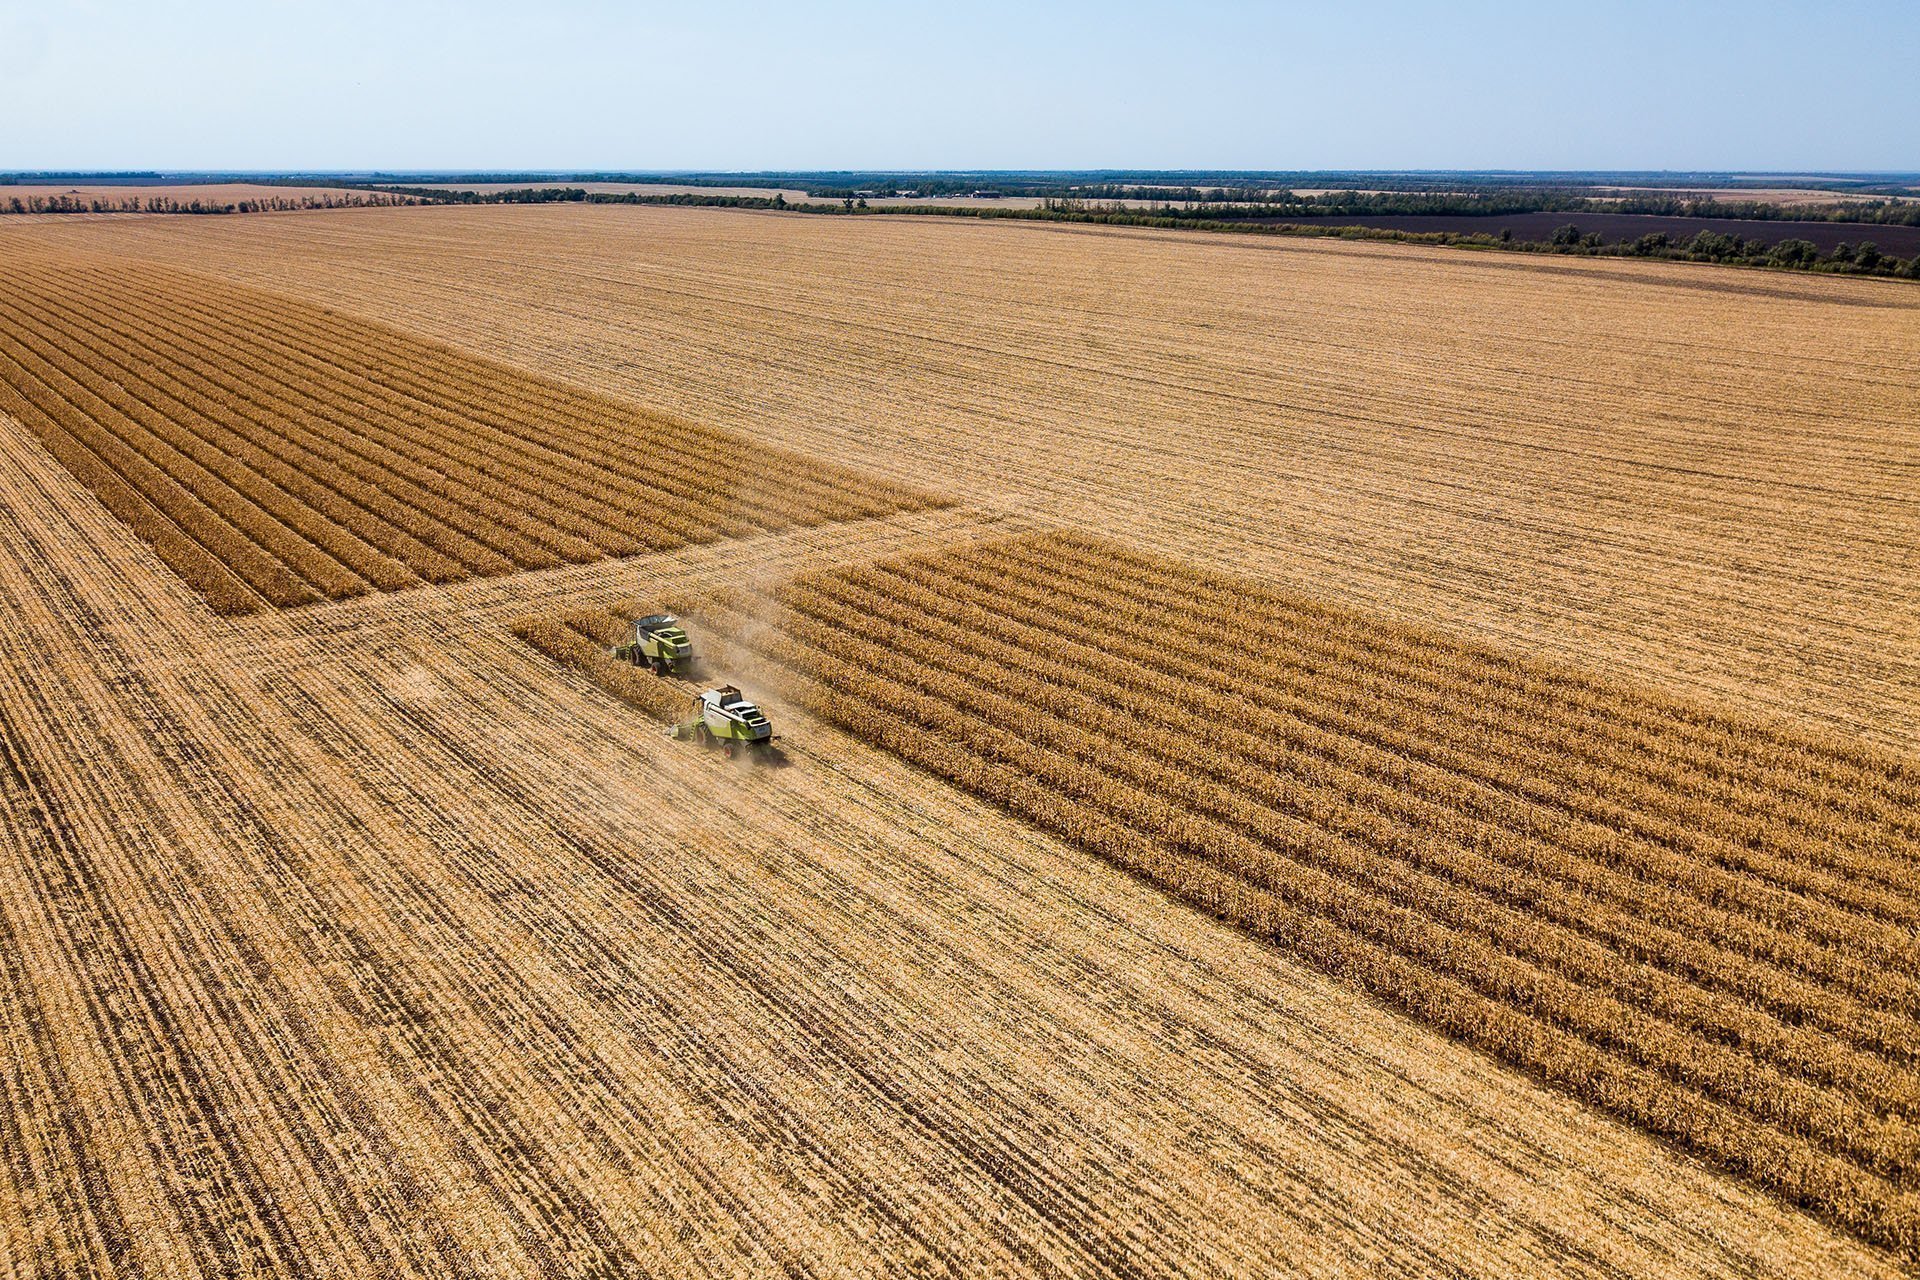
<point x="276" y="454"/>
<point x="1668" y="834"/>
<point x="565" y="642"/>
<point x="1282" y="838"/>
<point x="1753" y="763"/>
<point x="1373" y="784"/>
<point x="1676" y="949"/>
<point x="588" y="431"/>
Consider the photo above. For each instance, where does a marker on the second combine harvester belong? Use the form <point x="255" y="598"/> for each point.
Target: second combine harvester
<point x="721" y="717"/>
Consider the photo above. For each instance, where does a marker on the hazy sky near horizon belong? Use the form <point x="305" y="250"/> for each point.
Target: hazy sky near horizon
<point x="432" y="84"/>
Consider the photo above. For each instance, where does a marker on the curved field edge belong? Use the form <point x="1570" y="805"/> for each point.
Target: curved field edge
<point x="1698" y="923"/>
<point x="274" y="453"/>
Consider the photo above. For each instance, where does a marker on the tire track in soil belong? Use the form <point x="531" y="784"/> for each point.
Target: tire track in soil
<point x="60" y="1204"/>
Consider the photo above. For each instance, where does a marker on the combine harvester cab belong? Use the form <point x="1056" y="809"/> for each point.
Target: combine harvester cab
<point x="723" y="718"/>
<point x="658" y="642"/>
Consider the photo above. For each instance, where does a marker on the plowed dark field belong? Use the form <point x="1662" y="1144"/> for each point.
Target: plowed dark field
<point x="1613" y="228"/>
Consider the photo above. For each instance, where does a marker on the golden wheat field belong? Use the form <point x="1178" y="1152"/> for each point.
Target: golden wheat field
<point x="1294" y="757"/>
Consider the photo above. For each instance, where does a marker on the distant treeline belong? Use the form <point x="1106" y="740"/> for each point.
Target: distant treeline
<point x="1864" y="258"/>
<point x="1892" y="213"/>
<point x="518" y="195"/>
<point x="96" y="178"/>
<point x="1218" y="204"/>
<point x="1231" y="201"/>
<point x="67" y="202"/>
<point x="580" y="195"/>
<point x="1157" y="183"/>
<point x="1222" y="204"/>
<point x="1705" y="246"/>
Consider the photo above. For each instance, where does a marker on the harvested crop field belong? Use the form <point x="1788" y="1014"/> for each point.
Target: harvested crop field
<point x="278" y="454"/>
<point x="1699" y="924"/>
<point x="222" y="194"/>
<point x="363" y="938"/>
<point x="1696" y="476"/>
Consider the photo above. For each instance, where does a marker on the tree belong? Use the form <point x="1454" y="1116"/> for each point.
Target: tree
<point x="1567" y="235"/>
<point x="1794" y="253"/>
<point x="1712" y="245"/>
<point x="1867" y="256"/>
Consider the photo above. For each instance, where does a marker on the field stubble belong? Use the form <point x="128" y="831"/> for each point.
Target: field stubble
<point x="1702" y="924"/>
<point x="354" y="941"/>
<point x="1696" y="475"/>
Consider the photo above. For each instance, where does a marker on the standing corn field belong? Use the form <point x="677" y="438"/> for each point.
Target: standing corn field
<point x="371" y="937"/>
<point x="276" y="454"/>
<point x="1703" y="925"/>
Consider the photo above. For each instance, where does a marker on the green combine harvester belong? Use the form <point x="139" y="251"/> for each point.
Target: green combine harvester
<point x="659" y="642"/>
<point x="723" y="718"/>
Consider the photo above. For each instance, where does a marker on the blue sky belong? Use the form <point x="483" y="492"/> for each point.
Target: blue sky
<point x="572" y="84"/>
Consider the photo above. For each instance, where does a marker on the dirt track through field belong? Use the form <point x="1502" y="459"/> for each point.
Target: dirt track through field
<point x="360" y="940"/>
<point x="1696" y="475"/>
